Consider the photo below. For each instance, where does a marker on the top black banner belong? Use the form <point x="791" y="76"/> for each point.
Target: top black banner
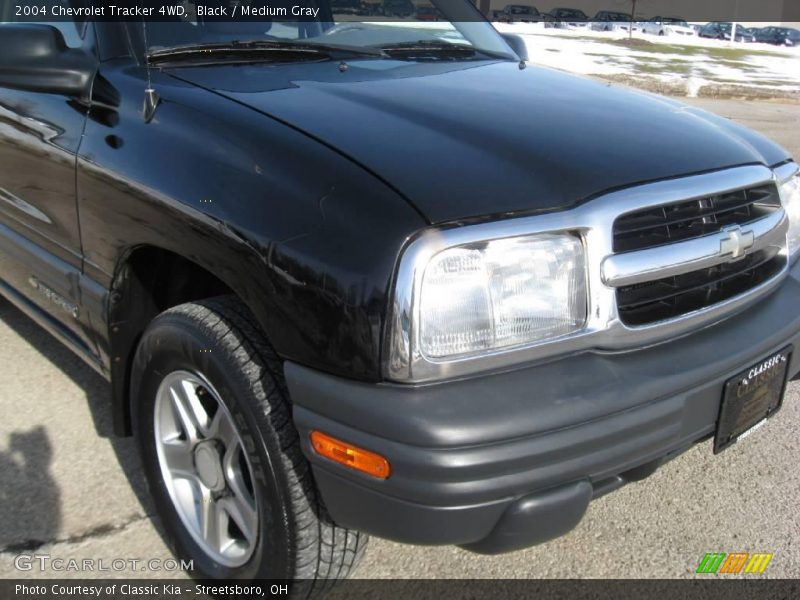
<point x="545" y="12"/>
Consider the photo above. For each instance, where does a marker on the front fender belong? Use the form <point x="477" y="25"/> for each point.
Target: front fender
<point x="304" y="236"/>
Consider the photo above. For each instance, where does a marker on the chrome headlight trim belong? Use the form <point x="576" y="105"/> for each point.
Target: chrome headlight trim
<point x="503" y="293"/>
<point x="593" y="222"/>
<point x="786" y="171"/>
<point x="784" y="174"/>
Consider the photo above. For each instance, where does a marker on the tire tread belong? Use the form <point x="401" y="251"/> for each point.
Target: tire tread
<point x="326" y="551"/>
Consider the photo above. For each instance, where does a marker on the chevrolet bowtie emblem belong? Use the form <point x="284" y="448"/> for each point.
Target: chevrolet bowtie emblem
<point x="736" y="242"/>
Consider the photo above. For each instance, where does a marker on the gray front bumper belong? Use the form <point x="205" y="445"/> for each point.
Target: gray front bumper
<point x="503" y="461"/>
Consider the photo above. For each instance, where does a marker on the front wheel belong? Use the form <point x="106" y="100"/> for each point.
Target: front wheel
<point x="222" y="457"/>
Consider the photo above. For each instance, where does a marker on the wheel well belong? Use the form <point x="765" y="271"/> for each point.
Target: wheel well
<point x="148" y="281"/>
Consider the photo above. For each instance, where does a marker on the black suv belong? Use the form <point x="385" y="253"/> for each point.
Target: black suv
<point x="350" y="279"/>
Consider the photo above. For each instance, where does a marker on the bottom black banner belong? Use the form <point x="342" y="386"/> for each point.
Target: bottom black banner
<point x="403" y="589"/>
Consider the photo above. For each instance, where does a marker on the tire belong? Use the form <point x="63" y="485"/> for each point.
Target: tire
<point x="213" y="353"/>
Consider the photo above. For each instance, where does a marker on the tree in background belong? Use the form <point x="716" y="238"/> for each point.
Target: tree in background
<point x="633" y="18"/>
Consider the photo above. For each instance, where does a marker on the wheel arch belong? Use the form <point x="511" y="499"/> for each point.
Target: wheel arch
<point x="147" y="281"/>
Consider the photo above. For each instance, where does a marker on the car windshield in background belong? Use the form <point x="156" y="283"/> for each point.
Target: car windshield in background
<point x="349" y="25"/>
<point x="674" y="21"/>
<point x="569" y="13"/>
<point x="523" y="10"/>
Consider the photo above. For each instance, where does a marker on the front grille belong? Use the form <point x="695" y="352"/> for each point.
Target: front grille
<point x="669" y="297"/>
<point x="693" y="218"/>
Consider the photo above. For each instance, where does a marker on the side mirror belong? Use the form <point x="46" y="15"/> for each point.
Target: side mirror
<point x="36" y="58"/>
<point x="517" y="44"/>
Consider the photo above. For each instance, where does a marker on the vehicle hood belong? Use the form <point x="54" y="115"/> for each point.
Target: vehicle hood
<point x="471" y="139"/>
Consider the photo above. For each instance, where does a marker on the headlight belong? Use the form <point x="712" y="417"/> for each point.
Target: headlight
<point x="790" y="196"/>
<point x="503" y="293"/>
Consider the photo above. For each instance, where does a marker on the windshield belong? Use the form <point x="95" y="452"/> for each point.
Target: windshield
<point x="353" y="24"/>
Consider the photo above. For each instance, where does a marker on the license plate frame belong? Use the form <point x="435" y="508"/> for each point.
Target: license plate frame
<point x="750" y="397"/>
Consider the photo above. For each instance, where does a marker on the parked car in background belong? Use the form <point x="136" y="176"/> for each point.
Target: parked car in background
<point x="749" y="33"/>
<point x="569" y="17"/>
<point x="398" y="8"/>
<point x="745" y="34"/>
<point x="666" y="26"/>
<point x="608" y="20"/>
<point x="519" y="13"/>
<point x="780" y="36"/>
<point x="722" y="31"/>
<point x="347" y="7"/>
<point x="427" y="13"/>
<point x="372" y="7"/>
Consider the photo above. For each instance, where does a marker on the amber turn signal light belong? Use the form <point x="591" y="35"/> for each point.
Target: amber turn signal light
<point x="350" y="456"/>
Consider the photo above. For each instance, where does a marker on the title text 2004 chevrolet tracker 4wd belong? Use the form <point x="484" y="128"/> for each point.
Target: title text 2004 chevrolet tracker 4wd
<point x="353" y="278"/>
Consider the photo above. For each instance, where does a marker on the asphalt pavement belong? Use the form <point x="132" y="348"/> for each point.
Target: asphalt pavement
<point x="69" y="490"/>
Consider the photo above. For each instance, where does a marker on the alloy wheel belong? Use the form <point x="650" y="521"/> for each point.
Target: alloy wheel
<point x="205" y="468"/>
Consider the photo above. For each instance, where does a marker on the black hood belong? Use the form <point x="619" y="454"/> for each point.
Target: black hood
<point x="464" y="140"/>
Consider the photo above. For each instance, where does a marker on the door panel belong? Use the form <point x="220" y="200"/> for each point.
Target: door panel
<point x="40" y="247"/>
<point x="39" y="138"/>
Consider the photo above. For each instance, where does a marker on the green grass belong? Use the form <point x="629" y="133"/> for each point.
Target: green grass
<point x="648" y="59"/>
<point x="640" y="45"/>
<point x="656" y="64"/>
<point x="730" y="54"/>
<point x="757" y="82"/>
<point x="684" y="66"/>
